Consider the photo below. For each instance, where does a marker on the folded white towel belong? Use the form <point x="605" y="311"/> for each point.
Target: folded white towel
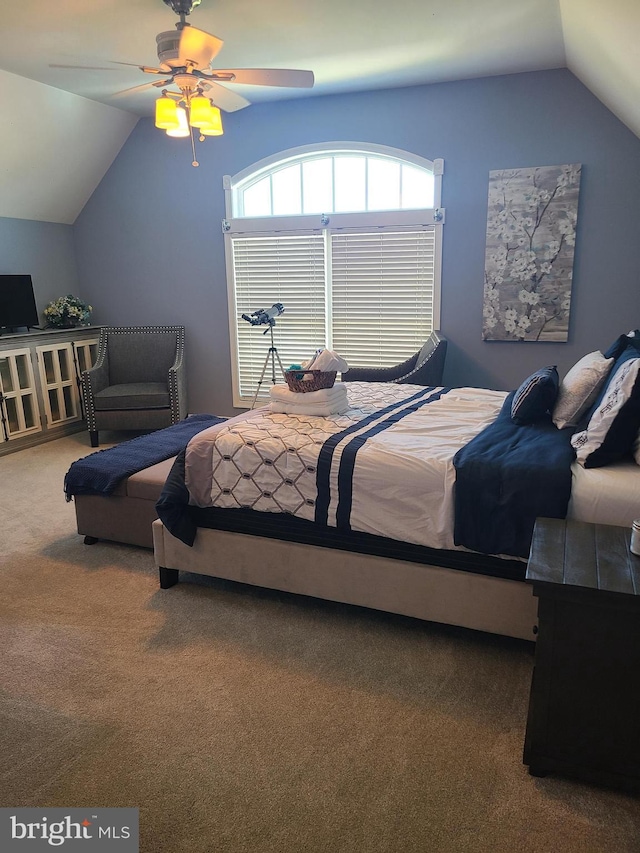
<point x="284" y="394"/>
<point x="326" y="360"/>
<point x="320" y="410"/>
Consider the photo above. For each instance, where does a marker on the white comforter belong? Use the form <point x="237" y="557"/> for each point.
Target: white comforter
<point x="403" y="477"/>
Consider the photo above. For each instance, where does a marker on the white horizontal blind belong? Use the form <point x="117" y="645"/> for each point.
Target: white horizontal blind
<point x="268" y="269"/>
<point x="382" y="295"/>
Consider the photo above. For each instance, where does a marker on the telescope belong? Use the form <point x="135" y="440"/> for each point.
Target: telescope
<point x="265" y="318"/>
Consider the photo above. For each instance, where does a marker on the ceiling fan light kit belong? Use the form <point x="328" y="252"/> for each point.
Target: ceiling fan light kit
<point x="177" y="114"/>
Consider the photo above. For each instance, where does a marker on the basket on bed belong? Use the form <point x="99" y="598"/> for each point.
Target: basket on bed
<point x="309" y="380"/>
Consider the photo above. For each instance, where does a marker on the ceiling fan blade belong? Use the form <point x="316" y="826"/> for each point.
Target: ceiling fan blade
<point x="287" y="77"/>
<point x="141" y="88"/>
<point x="224" y="98"/>
<point x="146" y="68"/>
<point x="198" y="47"/>
<point x="132" y="64"/>
<point x="84" y="67"/>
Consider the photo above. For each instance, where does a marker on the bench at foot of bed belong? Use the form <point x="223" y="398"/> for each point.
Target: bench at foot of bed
<point x="127" y="514"/>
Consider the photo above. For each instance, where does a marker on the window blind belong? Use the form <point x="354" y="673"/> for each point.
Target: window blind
<point x="382" y="295"/>
<point x="288" y="269"/>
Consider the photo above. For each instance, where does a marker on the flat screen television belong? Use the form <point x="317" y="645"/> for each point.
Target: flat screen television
<point x="17" y="302"/>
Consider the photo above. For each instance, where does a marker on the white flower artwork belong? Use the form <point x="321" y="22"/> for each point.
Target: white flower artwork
<point x="531" y="230"/>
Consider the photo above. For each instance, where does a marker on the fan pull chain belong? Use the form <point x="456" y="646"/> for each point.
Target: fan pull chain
<point x="194" y="162"/>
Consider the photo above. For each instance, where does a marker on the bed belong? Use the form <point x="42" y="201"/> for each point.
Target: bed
<point x="363" y="508"/>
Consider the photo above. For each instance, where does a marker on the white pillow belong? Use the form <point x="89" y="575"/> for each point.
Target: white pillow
<point x="612" y="429"/>
<point x="579" y="388"/>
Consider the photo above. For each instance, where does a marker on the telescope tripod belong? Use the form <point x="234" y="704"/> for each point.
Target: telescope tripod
<point x="272" y="355"/>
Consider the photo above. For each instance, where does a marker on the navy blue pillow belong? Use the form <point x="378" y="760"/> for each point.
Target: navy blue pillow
<point x="606" y="440"/>
<point x="632" y="350"/>
<point x="536" y="396"/>
<point x="620" y="344"/>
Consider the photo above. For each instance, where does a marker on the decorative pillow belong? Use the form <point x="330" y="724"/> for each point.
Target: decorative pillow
<point x="631" y="351"/>
<point x="536" y="396"/>
<point x="614" y="425"/>
<point x="620" y="344"/>
<point x="579" y="389"/>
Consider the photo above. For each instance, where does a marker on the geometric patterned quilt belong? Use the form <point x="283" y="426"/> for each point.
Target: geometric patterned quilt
<point x="382" y="467"/>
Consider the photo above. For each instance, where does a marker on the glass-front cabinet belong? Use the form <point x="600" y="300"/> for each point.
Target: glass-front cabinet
<point x="40" y="393"/>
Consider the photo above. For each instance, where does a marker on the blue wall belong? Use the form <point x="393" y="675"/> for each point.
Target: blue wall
<point x="150" y="248"/>
<point x="43" y="250"/>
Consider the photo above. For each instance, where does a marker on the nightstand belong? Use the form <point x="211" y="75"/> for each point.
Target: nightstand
<point x="584" y="709"/>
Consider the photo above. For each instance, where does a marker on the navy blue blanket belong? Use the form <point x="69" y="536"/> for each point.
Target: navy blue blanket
<point x="100" y="473"/>
<point x="173" y="504"/>
<point x="506" y="477"/>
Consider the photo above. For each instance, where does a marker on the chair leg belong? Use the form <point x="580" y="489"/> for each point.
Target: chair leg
<point x="93" y="435"/>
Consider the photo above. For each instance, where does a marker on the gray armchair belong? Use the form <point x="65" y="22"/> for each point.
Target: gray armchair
<point x="138" y="381"/>
<point x="423" y="368"/>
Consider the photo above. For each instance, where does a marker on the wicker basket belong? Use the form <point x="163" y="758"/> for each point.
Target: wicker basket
<point x="309" y="380"/>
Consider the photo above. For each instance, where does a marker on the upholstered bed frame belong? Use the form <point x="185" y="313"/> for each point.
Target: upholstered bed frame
<point x="433" y="593"/>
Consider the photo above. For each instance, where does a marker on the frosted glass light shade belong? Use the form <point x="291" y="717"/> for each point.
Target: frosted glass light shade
<point x="166" y="113"/>
<point x="183" y="124"/>
<point x="199" y="111"/>
<point x="214" y="125"/>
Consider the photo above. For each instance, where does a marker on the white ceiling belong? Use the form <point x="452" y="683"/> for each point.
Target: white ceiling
<point x="350" y="45"/>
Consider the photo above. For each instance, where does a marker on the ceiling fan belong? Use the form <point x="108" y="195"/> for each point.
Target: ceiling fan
<point x="184" y="60"/>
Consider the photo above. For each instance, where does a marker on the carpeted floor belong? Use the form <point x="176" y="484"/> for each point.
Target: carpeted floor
<point x="241" y="720"/>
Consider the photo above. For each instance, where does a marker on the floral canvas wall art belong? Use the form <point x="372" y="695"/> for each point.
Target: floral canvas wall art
<point x="531" y="228"/>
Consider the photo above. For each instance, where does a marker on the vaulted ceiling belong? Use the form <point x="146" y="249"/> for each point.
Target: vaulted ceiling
<point x="350" y="46"/>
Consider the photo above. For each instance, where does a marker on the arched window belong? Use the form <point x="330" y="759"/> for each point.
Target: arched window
<point x="347" y="237"/>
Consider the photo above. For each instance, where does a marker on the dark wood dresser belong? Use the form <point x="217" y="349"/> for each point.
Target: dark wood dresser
<point x="584" y="709"/>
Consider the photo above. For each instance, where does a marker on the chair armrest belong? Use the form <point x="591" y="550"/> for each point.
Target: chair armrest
<point x="97" y="377"/>
<point x="94" y="380"/>
<point x="430" y="371"/>
<point x="379" y="374"/>
<point x="178" y="387"/>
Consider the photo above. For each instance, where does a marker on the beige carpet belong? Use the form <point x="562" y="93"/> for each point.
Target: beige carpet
<point x="245" y="720"/>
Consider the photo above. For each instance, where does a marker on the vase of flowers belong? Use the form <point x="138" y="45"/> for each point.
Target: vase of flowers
<point x="67" y="312"/>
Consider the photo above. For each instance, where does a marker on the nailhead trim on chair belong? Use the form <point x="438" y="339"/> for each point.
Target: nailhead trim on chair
<point x="88" y="401"/>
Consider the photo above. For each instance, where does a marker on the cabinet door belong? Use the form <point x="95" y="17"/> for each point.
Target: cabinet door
<point x="59" y="383"/>
<point x="86" y="352"/>
<point x="19" y="404"/>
